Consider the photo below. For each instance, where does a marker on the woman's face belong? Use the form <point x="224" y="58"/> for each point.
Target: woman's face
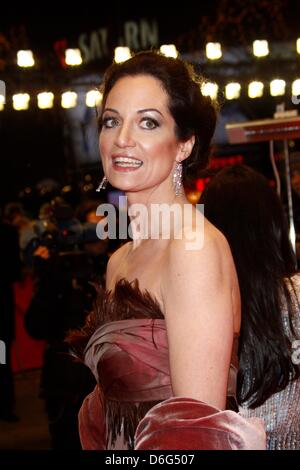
<point x="138" y="145"/>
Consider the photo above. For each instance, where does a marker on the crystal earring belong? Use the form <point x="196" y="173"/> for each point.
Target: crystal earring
<point x="102" y="184"/>
<point x="177" y="179"/>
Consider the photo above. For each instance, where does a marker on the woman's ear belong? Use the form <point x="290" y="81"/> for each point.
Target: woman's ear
<point x="186" y="149"/>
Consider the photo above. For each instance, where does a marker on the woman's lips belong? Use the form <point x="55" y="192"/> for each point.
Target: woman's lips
<point x="125" y="164"/>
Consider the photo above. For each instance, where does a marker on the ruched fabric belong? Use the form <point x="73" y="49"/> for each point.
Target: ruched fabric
<point x="130" y="361"/>
<point x="129" y="358"/>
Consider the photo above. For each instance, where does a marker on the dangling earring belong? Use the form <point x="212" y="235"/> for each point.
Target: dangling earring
<point x="177" y="179"/>
<point x="102" y="184"/>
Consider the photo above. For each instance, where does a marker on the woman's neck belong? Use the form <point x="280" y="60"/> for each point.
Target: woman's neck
<point x="154" y="214"/>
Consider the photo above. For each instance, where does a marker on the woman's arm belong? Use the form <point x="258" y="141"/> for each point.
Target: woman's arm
<point x="197" y="294"/>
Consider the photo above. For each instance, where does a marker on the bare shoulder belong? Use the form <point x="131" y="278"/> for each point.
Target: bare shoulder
<point x="206" y="274"/>
<point x="209" y="254"/>
<point x="114" y="263"/>
<point x="199" y="308"/>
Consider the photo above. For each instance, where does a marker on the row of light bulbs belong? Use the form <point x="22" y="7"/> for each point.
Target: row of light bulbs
<point x="25" y="58"/>
<point x="45" y="100"/>
<point x="260" y="48"/>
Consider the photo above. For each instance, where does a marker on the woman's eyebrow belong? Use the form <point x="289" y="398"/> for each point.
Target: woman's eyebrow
<point x="149" y="109"/>
<point x="111" y="110"/>
<point x="140" y="111"/>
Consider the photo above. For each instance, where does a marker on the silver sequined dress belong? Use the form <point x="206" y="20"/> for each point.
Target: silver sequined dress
<point x="281" y="412"/>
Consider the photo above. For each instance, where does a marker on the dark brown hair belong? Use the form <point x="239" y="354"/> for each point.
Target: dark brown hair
<point x="241" y="204"/>
<point x="194" y="113"/>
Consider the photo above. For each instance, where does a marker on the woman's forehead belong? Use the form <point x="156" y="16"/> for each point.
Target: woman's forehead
<point x="144" y="89"/>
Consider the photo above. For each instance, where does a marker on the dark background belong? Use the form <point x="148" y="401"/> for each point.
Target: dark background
<point x="36" y="144"/>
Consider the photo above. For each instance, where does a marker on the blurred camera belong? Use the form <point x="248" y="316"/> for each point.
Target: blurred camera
<point x="63" y="235"/>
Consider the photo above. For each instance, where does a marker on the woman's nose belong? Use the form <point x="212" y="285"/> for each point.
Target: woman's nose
<point x="124" y="136"/>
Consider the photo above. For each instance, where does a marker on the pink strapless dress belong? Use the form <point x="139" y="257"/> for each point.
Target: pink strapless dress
<point x="133" y="407"/>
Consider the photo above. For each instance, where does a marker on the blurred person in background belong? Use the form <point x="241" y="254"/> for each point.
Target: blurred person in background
<point x="14" y="214"/>
<point x="86" y="213"/>
<point x="242" y="205"/>
<point x="100" y="250"/>
<point x="10" y="272"/>
<point x="64" y="271"/>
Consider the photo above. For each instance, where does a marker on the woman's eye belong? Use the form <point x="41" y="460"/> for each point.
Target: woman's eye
<point x="109" y="122"/>
<point x="148" y="123"/>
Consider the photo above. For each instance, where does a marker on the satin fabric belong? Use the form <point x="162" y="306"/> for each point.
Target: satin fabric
<point x="130" y="361"/>
<point x="129" y="358"/>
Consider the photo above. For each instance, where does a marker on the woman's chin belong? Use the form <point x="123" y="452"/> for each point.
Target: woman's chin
<point x="124" y="182"/>
<point x="122" y="185"/>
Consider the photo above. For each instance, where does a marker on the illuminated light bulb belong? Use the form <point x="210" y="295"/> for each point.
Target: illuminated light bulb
<point x="93" y="98"/>
<point x="210" y="89"/>
<point x="122" y="54"/>
<point x="232" y="91"/>
<point x="169" y="50"/>
<point x="2" y="94"/>
<point x="260" y="48"/>
<point x="21" y="101"/>
<point x="296" y="87"/>
<point x="277" y="87"/>
<point x="25" y="58"/>
<point x="2" y="102"/>
<point x="255" y="89"/>
<point x="298" y="45"/>
<point x="69" y="99"/>
<point x="73" y="57"/>
<point x="213" y="50"/>
<point x="45" y="100"/>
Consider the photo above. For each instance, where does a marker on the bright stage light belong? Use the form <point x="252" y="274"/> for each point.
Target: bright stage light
<point x="2" y="95"/>
<point x="93" y="98"/>
<point x="255" y="89"/>
<point x="277" y="87"/>
<point x="232" y="91"/>
<point x="73" y="57"/>
<point x="260" y="48"/>
<point x="21" y="101"/>
<point x="45" y="100"/>
<point x="2" y="102"/>
<point x="210" y="89"/>
<point x="169" y="50"/>
<point x="25" y="58"/>
<point x="213" y="50"/>
<point x="296" y="87"/>
<point x="69" y="99"/>
<point x="122" y="54"/>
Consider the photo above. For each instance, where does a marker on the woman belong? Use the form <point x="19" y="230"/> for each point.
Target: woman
<point x="241" y="204"/>
<point x="172" y="312"/>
